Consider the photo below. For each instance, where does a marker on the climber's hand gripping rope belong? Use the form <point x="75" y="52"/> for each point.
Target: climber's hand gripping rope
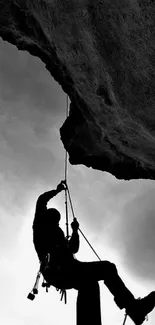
<point x="62" y="186"/>
<point x="75" y="225"/>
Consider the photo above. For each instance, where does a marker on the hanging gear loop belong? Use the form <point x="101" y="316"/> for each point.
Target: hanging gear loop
<point x="125" y="317"/>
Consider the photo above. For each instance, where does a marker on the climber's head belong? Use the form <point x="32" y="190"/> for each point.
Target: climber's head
<point x="52" y="217"/>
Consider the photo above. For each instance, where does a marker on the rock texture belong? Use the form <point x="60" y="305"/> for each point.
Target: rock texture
<point x="102" y="53"/>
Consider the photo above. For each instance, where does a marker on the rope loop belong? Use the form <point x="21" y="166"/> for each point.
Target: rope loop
<point x="125" y="317"/>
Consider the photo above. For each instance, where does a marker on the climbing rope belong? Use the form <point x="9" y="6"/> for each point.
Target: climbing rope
<point x="66" y="205"/>
<point x="69" y="196"/>
<point x="65" y="172"/>
<point x="79" y="228"/>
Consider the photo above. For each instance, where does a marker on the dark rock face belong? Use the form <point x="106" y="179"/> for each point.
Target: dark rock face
<point x="102" y="53"/>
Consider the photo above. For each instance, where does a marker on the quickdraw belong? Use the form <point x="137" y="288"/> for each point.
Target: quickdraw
<point x="45" y="284"/>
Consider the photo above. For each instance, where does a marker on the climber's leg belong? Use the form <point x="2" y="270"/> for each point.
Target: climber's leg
<point x="104" y="270"/>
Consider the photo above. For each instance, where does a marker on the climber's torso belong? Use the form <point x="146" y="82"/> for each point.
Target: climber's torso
<point x="52" y="242"/>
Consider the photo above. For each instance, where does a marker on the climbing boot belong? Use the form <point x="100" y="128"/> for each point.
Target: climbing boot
<point x="140" y="308"/>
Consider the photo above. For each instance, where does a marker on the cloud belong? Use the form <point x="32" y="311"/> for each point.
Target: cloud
<point x="31" y="112"/>
<point x="122" y="215"/>
<point x="101" y="196"/>
<point x="25" y="77"/>
<point x="135" y="234"/>
<point x="29" y="129"/>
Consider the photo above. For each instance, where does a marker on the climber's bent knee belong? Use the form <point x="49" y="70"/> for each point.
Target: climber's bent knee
<point x="113" y="268"/>
<point x="109" y="268"/>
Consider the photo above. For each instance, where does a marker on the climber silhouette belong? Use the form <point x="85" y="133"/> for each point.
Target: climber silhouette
<point x="64" y="271"/>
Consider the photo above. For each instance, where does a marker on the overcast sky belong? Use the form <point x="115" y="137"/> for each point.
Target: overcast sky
<point x="118" y="217"/>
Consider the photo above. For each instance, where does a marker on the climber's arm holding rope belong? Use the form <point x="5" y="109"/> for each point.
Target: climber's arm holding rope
<point x="41" y="205"/>
<point x="74" y="240"/>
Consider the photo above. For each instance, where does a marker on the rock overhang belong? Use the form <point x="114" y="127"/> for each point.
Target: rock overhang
<point x="102" y="53"/>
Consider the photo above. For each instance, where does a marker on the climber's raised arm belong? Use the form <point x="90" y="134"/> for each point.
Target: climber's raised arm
<point x="74" y="240"/>
<point x="41" y="205"/>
